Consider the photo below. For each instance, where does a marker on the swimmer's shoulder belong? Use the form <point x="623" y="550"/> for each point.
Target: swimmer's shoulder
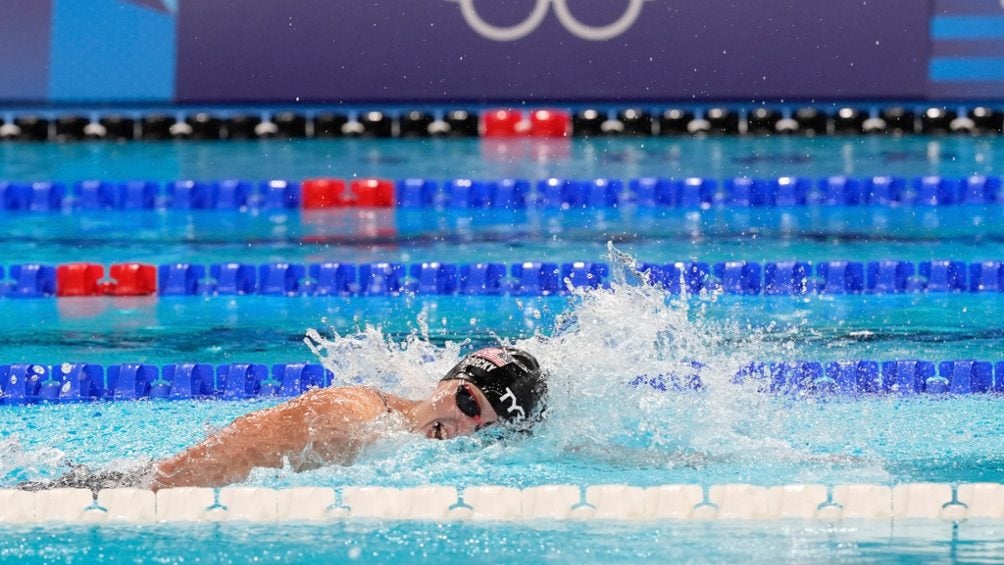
<point x="362" y="400"/>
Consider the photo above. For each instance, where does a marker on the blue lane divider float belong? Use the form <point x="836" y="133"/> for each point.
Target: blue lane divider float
<point x="28" y="281"/>
<point x="77" y="382"/>
<point x="699" y="192"/>
<point x="962" y="376"/>
<point x="29" y="383"/>
<point x="509" y="194"/>
<point x="149" y="195"/>
<point x="830" y="277"/>
<point x="535" y="278"/>
<point x="337" y="279"/>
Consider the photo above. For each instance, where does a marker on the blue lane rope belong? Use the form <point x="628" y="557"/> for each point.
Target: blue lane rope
<point x="529" y="278"/>
<point x="514" y="194"/>
<point x="29" y="383"/>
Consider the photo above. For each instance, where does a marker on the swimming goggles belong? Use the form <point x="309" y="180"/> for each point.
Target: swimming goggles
<point x="467" y="403"/>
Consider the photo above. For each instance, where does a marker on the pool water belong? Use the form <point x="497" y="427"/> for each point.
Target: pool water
<point x="448" y="158"/>
<point x="685" y="440"/>
<point x="550" y="542"/>
<point x="602" y="430"/>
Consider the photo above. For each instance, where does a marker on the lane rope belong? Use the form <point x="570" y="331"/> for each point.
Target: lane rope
<point x="526" y="278"/>
<point x="725" y="502"/>
<point x="545" y="123"/>
<point x="34" y="383"/>
<point x="91" y="196"/>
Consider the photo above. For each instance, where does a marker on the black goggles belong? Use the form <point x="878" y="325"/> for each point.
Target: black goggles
<point x="467" y="403"/>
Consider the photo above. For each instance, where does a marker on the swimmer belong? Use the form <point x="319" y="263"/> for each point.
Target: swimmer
<point x="500" y="385"/>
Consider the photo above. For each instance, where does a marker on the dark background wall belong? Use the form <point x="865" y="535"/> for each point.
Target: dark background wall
<point x="286" y="51"/>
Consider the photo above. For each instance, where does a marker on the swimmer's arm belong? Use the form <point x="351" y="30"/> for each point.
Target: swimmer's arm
<point x="324" y="422"/>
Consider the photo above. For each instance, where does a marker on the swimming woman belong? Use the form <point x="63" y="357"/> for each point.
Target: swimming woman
<point x="494" y="386"/>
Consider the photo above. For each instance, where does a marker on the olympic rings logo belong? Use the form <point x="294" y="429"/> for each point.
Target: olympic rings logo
<point x="565" y="16"/>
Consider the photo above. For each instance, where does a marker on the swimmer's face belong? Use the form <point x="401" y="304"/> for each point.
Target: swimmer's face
<point x="456" y="408"/>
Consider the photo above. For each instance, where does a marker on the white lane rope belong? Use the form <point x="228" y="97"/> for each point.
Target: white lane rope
<point x="911" y="501"/>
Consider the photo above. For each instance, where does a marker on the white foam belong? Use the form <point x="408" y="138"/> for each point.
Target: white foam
<point x="600" y="344"/>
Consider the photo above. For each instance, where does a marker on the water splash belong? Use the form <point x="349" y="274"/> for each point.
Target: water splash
<point x="603" y="355"/>
<point x="19" y="464"/>
<point x="370" y="357"/>
<point x="605" y="424"/>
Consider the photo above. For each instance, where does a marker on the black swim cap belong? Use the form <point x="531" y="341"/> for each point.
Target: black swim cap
<point x="510" y="378"/>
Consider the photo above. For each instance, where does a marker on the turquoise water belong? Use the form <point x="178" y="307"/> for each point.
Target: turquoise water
<point x="965" y="233"/>
<point x="603" y="431"/>
<point x="617" y="158"/>
<point x="772" y="441"/>
<point x="270" y="329"/>
<point x="369" y="542"/>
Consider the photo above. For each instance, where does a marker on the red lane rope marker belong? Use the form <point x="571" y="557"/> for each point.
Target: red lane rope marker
<point x="550" y="123"/>
<point x="325" y="193"/>
<point x="88" y="279"/>
<point x="131" y="279"/>
<point x="373" y="193"/>
<point x="503" y="123"/>
<point x="318" y="194"/>
<point x="79" y="279"/>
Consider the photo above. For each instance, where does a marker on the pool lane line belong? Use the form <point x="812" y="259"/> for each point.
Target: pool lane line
<point x="553" y="193"/>
<point x="526" y="278"/>
<point x="35" y="383"/>
<point x="549" y="125"/>
<point x="934" y="502"/>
